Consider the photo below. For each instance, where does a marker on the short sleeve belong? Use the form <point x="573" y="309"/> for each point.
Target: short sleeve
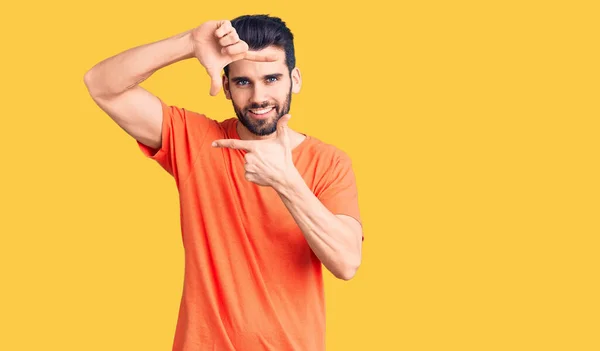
<point x="182" y="136"/>
<point x="340" y="194"/>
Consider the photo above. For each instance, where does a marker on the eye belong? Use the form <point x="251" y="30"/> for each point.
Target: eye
<point x="272" y="79"/>
<point x="242" y="82"/>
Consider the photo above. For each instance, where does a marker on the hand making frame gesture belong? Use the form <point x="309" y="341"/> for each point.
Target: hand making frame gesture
<point x="268" y="162"/>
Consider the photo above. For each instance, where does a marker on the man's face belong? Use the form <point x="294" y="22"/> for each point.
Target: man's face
<point x="260" y="91"/>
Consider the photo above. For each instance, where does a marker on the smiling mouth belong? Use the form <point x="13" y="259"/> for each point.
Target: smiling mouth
<point x="262" y="111"/>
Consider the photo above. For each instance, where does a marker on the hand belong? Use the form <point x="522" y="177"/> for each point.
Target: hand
<point x="217" y="44"/>
<point x="268" y="162"/>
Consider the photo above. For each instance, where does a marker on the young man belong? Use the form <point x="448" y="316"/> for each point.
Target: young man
<point x="263" y="207"/>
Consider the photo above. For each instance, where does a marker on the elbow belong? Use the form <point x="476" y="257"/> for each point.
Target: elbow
<point x="346" y="275"/>
<point x="91" y="83"/>
<point x="88" y="81"/>
<point x="87" y="78"/>
<point x="348" y="270"/>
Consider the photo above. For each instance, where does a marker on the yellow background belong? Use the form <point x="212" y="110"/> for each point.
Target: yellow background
<point x="473" y="127"/>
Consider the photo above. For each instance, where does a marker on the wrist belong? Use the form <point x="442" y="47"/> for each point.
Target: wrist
<point x="291" y="183"/>
<point x="187" y="44"/>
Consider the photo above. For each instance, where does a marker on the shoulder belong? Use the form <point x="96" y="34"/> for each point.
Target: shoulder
<point x="327" y="151"/>
<point x="325" y="161"/>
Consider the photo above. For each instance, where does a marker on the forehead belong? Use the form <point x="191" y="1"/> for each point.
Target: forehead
<point x="249" y="68"/>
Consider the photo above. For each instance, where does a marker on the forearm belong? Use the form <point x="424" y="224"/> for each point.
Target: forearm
<point x="332" y="241"/>
<point x="127" y="69"/>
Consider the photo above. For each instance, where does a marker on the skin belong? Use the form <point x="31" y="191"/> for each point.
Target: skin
<point x="114" y="82"/>
<point x="260" y="84"/>
<point x="335" y="239"/>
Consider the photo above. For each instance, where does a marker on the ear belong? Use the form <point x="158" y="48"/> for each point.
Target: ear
<point x="226" y="88"/>
<point x="296" y="80"/>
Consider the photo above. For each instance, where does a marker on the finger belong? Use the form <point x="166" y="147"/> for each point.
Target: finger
<point x="223" y="28"/>
<point x="250" y="168"/>
<point x="236" y="50"/>
<point x="229" y="39"/>
<point x="234" y="144"/>
<point x="260" y="57"/>
<point x="215" y="82"/>
<point x="282" y="125"/>
<point x="249" y="158"/>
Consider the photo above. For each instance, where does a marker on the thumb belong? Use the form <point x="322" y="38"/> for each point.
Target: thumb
<point x="282" y="128"/>
<point x="215" y="82"/>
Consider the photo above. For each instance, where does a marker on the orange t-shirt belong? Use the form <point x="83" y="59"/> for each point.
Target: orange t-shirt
<point x="251" y="281"/>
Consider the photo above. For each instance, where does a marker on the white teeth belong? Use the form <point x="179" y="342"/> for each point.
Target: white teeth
<point x="262" y="111"/>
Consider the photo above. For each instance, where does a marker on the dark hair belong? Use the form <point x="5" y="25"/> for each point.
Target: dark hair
<point x="261" y="31"/>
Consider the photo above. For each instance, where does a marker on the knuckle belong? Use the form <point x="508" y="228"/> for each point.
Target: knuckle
<point x="228" y="39"/>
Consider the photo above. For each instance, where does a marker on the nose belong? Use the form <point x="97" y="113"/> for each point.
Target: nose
<point x="259" y="95"/>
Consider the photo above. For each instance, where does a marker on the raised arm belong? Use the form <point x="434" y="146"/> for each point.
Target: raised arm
<point x="114" y="82"/>
<point x="114" y="85"/>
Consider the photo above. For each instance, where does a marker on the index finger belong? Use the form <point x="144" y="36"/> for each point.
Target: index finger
<point x="233" y="144"/>
<point x="255" y="56"/>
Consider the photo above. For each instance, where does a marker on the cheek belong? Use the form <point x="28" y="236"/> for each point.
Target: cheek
<point x="281" y="96"/>
<point x="239" y="97"/>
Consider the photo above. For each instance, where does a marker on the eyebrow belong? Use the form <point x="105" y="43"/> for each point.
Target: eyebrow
<point x="274" y="75"/>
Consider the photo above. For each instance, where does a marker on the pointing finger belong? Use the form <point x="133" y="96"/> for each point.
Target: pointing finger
<point x="260" y="57"/>
<point x="239" y="47"/>
<point x="234" y="144"/>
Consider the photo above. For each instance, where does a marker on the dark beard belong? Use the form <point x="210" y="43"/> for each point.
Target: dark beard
<point x="263" y="127"/>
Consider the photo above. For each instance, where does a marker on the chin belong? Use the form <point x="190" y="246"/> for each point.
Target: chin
<point x="264" y="130"/>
